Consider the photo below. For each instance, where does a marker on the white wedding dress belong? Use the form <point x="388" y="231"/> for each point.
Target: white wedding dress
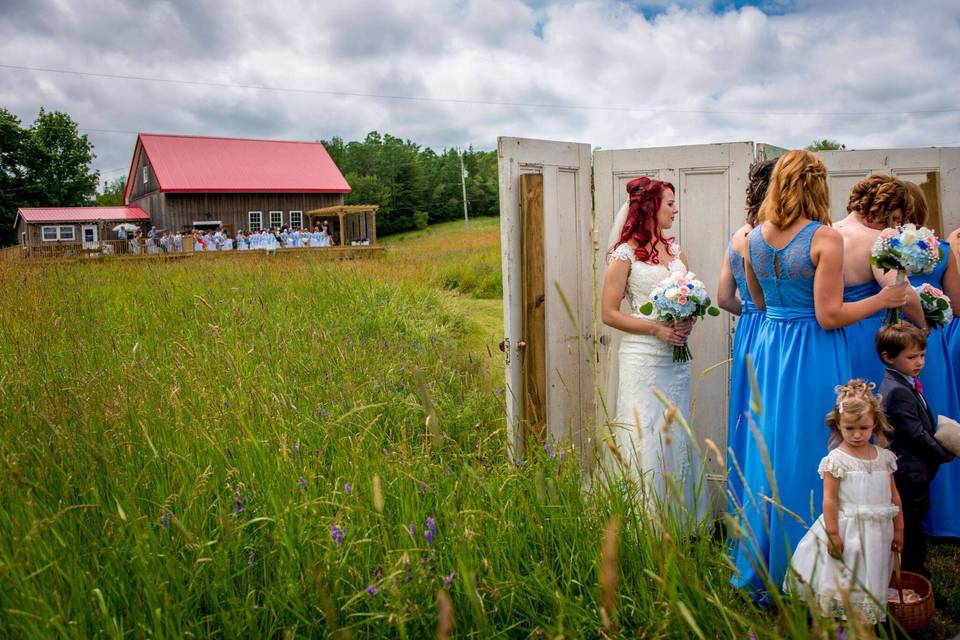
<point x="660" y="453"/>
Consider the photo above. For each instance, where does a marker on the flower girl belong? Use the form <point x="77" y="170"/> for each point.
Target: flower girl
<point x="846" y="558"/>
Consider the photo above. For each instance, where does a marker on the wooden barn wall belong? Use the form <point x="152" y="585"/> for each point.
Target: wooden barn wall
<point x="140" y="189"/>
<point x="154" y="204"/>
<point x="181" y="210"/>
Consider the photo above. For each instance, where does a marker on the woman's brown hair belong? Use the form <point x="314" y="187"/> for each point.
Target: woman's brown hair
<point x="798" y="189"/>
<point x="877" y="196"/>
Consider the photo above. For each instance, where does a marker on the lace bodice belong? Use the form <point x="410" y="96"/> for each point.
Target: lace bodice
<point x="935" y="277"/>
<point x="785" y="275"/>
<point x="739" y="272"/>
<point x="864" y="484"/>
<point x="644" y="276"/>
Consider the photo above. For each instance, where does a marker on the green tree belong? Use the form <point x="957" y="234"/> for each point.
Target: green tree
<point x="13" y="138"/>
<point x="826" y="145"/>
<point x="58" y="162"/>
<point x="112" y="194"/>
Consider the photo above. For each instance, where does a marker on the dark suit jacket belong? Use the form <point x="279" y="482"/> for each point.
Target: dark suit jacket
<point x="919" y="455"/>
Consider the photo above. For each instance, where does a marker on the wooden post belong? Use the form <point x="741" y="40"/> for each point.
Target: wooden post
<point x="534" y="320"/>
<point x="343" y="242"/>
<point x="373" y="225"/>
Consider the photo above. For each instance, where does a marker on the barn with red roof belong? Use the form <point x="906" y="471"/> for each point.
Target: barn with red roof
<point x="197" y="182"/>
<point x="179" y="183"/>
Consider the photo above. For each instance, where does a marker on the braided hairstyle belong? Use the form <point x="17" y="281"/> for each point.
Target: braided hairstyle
<point x="759" y="180"/>
<point x="798" y="189"/>
<point x="917" y="210"/>
<point x="856" y="398"/>
<point x="877" y="196"/>
<point x="646" y="196"/>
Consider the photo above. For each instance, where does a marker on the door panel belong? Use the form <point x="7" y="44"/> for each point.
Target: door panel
<point x="567" y="217"/>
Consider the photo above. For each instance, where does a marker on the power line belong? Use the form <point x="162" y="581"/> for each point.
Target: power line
<point x="495" y="103"/>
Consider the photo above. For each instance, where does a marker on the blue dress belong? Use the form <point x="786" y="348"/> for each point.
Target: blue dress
<point x="861" y="336"/>
<point x="738" y="427"/>
<point x="940" y="379"/>
<point x="798" y="365"/>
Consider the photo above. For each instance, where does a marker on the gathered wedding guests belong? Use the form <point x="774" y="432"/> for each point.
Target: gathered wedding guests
<point x="733" y="296"/>
<point x="919" y="455"/>
<point x="792" y="263"/>
<point x="640" y="255"/>
<point x="847" y="557"/>
<point x="875" y="203"/>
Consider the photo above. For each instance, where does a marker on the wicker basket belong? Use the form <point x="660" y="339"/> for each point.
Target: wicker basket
<point x="912" y="616"/>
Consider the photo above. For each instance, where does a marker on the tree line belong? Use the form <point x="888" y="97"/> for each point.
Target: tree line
<point x="49" y="163"/>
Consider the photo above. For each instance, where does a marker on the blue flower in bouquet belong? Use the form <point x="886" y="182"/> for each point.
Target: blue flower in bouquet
<point x="906" y="250"/>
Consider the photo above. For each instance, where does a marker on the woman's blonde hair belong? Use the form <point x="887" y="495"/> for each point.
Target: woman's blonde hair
<point x="856" y="398"/>
<point x="798" y="189"/>
<point x="916" y="211"/>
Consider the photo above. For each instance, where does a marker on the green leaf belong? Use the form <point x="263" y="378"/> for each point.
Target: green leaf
<point x="647" y="309"/>
<point x="713" y="311"/>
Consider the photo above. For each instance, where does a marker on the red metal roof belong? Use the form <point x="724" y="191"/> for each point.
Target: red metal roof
<point x="195" y="163"/>
<point x="82" y="214"/>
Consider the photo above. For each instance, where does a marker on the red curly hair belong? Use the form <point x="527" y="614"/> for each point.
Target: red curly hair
<point x="646" y="196"/>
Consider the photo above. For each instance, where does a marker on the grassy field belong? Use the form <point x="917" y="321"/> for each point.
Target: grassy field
<point x="284" y="447"/>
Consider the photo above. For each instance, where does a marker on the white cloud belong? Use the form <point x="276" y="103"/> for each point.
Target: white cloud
<point x="818" y="57"/>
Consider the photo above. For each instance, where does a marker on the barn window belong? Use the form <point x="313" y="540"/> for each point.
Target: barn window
<point x="146" y="175"/>
<point x="49" y="234"/>
<point x="255" y="220"/>
<point x="296" y="219"/>
<point x="66" y="233"/>
<point x="276" y="218"/>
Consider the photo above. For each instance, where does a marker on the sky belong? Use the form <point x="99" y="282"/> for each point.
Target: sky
<point x="869" y="73"/>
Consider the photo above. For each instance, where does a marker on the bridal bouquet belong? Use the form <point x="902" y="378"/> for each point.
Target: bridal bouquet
<point x="906" y="249"/>
<point x="936" y="305"/>
<point x="676" y="298"/>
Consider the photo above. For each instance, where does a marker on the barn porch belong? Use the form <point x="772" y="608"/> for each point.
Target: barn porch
<point x="351" y="225"/>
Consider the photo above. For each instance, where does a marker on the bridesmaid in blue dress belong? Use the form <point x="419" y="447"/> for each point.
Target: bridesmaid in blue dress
<point x="876" y="202"/>
<point x="793" y="266"/>
<point x="733" y="296"/>
<point x="940" y="376"/>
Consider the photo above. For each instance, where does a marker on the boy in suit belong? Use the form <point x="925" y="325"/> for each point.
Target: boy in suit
<point x="902" y="348"/>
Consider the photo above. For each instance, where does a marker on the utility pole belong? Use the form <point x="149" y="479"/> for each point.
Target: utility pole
<point x="463" y="187"/>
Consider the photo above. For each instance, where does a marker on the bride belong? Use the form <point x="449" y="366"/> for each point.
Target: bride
<point x="640" y="256"/>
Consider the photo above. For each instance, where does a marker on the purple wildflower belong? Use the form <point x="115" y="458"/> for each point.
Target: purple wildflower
<point x="449" y="580"/>
<point x="377" y="573"/>
<point x="841" y="634"/>
<point x="409" y="575"/>
<point x="250" y="556"/>
<point x="550" y="454"/>
<point x="165" y="519"/>
<point x="413" y="532"/>
<point x="518" y="462"/>
<point x="431" y="531"/>
<point x="295" y="449"/>
<point x="302" y="483"/>
<point x="372" y="590"/>
<point x="322" y="412"/>
<point x="226" y="405"/>
<point x="752" y="636"/>
<point x="337" y="533"/>
<point x="347" y="489"/>
<point x="238" y="502"/>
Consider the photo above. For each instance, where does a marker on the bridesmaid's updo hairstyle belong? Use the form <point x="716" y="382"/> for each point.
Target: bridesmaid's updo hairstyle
<point x="646" y="196"/>
<point x="856" y="398"/>
<point x="759" y="180"/>
<point x="875" y="197"/>
<point x="916" y="210"/>
<point x="798" y="189"/>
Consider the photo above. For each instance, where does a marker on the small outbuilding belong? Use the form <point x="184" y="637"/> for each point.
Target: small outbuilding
<point x="55" y="231"/>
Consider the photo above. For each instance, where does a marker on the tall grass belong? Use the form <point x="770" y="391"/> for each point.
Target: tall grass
<point x="242" y="449"/>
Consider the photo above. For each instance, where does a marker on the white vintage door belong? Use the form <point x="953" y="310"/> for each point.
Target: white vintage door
<point x="89" y="236"/>
<point x="711" y="183"/>
<point x="934" y="170"/>
<point x="566" y="334"/>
